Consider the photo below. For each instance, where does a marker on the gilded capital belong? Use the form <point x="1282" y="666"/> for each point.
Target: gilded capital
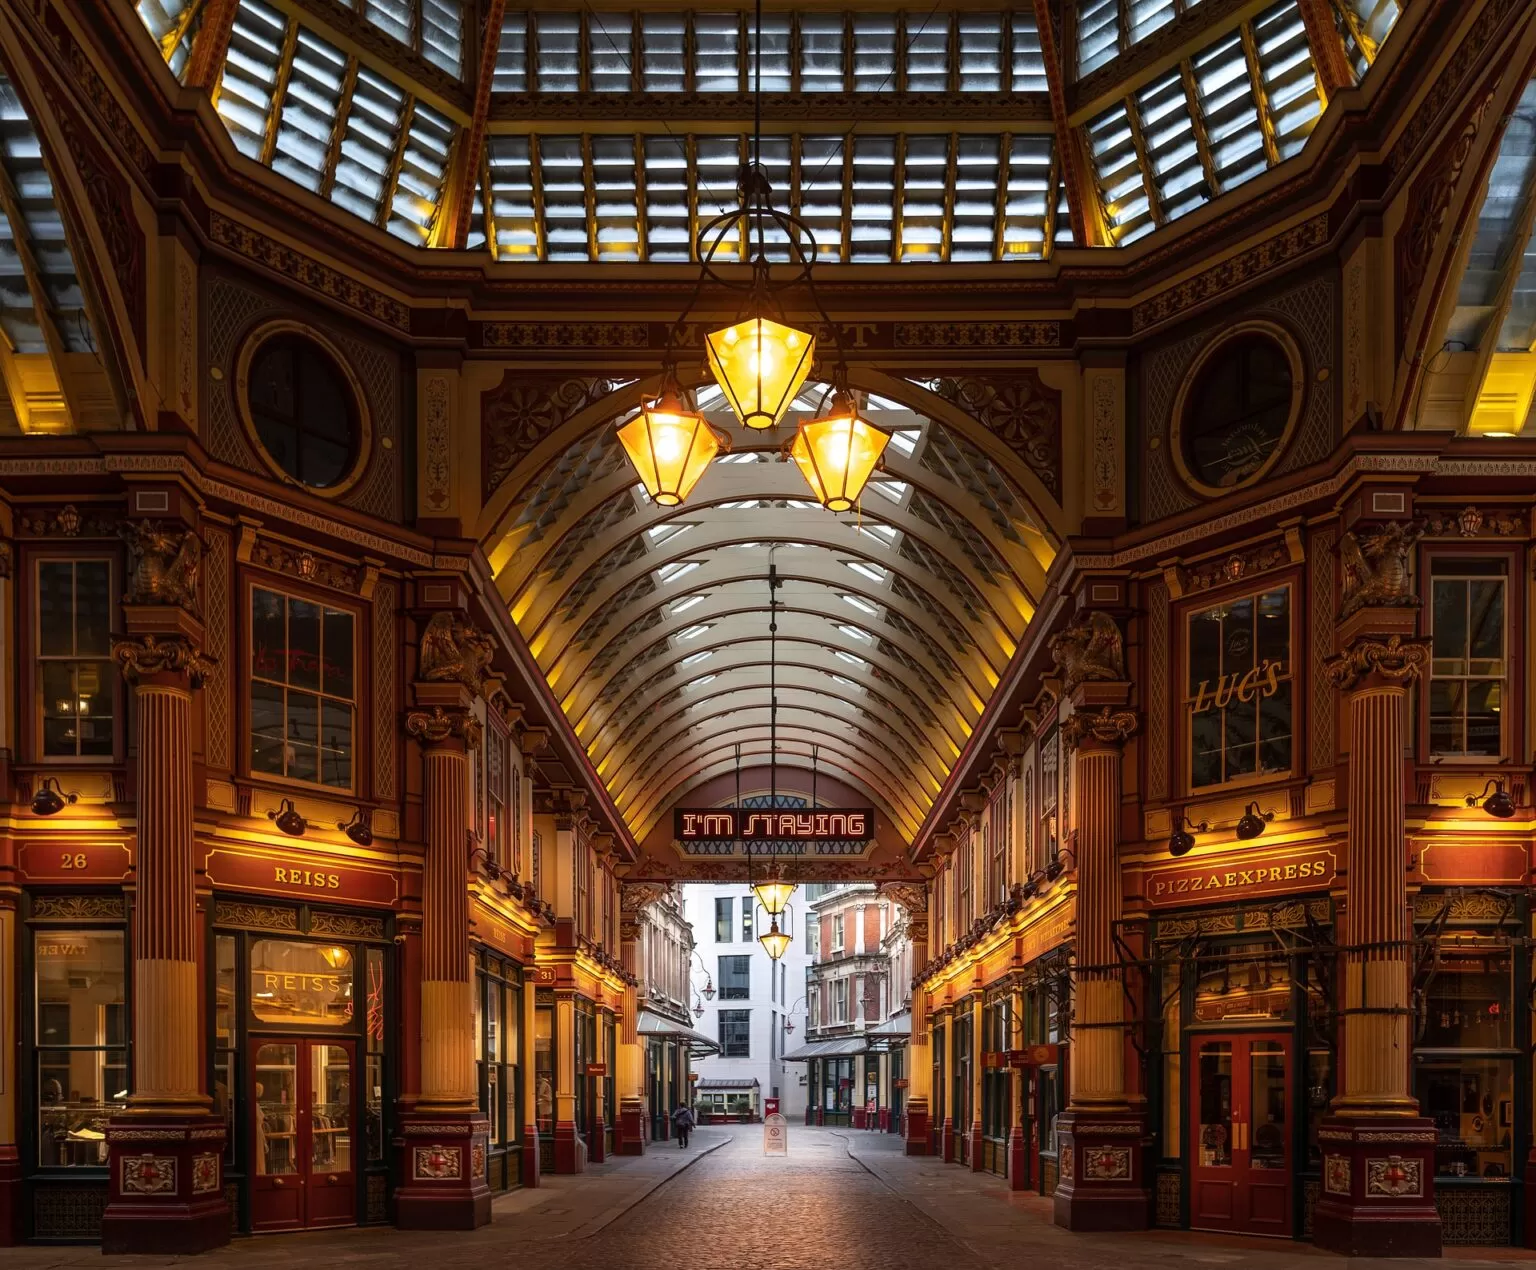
<point x="1395" y="659"/>
<point x="436" y="725"/>
<point x="1108" y="727"/>
<point x="140" y="655"/>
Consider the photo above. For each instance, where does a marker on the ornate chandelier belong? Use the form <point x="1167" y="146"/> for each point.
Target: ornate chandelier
<point x="761" y="360"/>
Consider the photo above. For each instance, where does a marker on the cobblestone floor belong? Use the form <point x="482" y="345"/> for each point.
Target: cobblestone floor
<point x="841" y="1200"/>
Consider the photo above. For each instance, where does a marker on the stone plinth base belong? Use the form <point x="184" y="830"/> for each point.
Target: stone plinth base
<point x="978" y="1148"/>
<point x="1018" y="1159"/>
<point x="883" y="1121"/>
<point x="860" y="1119"/>
<point x="1378" y="1192"/>
<point x="599" y="1139"/>
<point x="1104" y="1183"/>
<point x="10" y="1197"/>
<point x="948" y="1147"/>
<point x="570" y="1150"/>
<point x="631" y="1127"/>
<point x="165" y="1189"/>
<point x="531" y="1167"/>
<point x="442" y="1171"/>
<point x="918" y="1140"/>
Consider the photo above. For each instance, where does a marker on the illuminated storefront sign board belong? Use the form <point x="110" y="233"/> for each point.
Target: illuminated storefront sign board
<point x="1218" y="877"/>
<point x="713" y="824"/>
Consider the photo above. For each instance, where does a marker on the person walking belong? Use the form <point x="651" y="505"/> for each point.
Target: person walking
<point x="683" y="1122"/>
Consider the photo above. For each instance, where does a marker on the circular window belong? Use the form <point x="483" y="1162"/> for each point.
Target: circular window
<point x="1237" y="407"/>
<point x="303" y="407"/>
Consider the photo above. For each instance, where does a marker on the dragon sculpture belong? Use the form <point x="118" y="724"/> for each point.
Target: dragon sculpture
<point x="1092" y="648"/>
<point x="454" y="650"/>
<point x="1377" y="573"/>
<point x="163" y="565"/>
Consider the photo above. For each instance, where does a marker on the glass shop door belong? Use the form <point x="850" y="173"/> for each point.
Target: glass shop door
<point x="304" y="1167"/>
<point x="1240" y="1124"/>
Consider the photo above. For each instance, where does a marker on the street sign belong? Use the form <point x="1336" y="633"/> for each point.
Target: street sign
<point x="775" y="1134"/>
<point x="597" y="1069"/>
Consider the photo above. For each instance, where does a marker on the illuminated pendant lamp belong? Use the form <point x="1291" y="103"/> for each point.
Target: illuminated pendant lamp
<point x="760" y="365"/>
<point x="774" y="940"/>
<point x="669" y="445"/>
<point x="837" y="452"/>
<point x="773" y="891"/>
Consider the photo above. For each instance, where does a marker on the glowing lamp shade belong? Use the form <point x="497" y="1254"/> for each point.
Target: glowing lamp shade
<point x="760" y="365"/>
<point x="774" y="940"/>
<point x="670" y="446"/>
<point x="774" y="894"/>
<point x="837" y="453"/>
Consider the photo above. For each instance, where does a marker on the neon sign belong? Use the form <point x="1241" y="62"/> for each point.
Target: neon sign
<point x="713" y="824"/>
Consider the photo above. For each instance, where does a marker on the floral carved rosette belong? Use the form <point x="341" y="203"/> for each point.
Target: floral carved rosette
<point x="437" y="1163"/>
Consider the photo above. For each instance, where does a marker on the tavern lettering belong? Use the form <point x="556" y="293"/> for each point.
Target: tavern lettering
<point x="1259" y="681"/>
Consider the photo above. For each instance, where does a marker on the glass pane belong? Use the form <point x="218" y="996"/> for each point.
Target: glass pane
<point x="55" y="608"/>
<point x="1467" y="1001"/>
<point x="277" y="1100"/>
<point x="303" y="643"/>
<point x="269" y="657"/>
<point x="375" y="1001"/>
<point x="331" y="1111"/>
<point x="79" y="978"/>
<point x="300" y="983"/>
<point x="224" y="1099"/>
<point x="93" y="608"/>
<point x="373" y="1107"/>
<point x="1269" y="1107"/>
<point x="1471" y="1101"/>
<point x="1214" y="1104"/>
<point x="338" y="654"/>
<point x="544" y="1068"/>
<point x="1319" y="1090"/>
<point x="303" y="733"/>
<point x="224" y="990"/>
<point x="336" y="745"/>
<point x="267" y="742"/>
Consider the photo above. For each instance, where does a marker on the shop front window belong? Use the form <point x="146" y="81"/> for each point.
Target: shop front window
<point x="1467" y="1000"/>
<point x="1242" y="983"/>
<point x="308" y="985"/>
<point x="1173" y="1061"/>
<point x="1238" y="691"/>
<point x="82" y="1043"/>
<point x="373" y="1094"/>
<point x="498" y="1010"/>
<point x="997" y="1080"/>
<point x="1471" y="1101"/>
<point x="302" y="689"/>
<point x="74" y="644"/>
<point x="1467" y="667"/>
<point x="225" y="1027"/>
<point x="544" y="1067"/>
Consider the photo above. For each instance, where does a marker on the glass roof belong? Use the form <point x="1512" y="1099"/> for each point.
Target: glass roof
<point x="908" y="136"/>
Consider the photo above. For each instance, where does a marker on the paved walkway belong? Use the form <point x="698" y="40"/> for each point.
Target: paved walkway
<point x="841" y="1200"/>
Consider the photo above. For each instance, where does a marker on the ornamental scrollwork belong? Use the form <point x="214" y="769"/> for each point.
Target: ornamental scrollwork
<point x="163" y="565"/>
<point x="140" y="655"/>
<point x="635" y="896"/>
<point x="910" y="896"/>
<point x="1395" y="659"/>
<point x="1376" y="567"/>
<point x="1091" y="649"/>
<point x="436" y="725"/>
<point x="1108" y="727"/>
<point x="454" y="650"/>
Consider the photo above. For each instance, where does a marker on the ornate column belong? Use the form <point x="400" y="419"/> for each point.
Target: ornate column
<point x="1377" y="1195"/>
<point x="443" y="1136"/>
<point x="916" y="1131"/>
<point x="531" y="1171"/>
<point x="975" y="1006"/>
<point x="1018" y="1083"/>
<point x="630" y="1069"/>
<point x="570" y="1150"/>
<point x="165" y="1192"/>
<point x="11" y="1224"/>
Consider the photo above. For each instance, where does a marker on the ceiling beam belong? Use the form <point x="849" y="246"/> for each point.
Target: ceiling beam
<point x="1329" y="58"/>
<point x="209" y="49"/>
<point x="458" y="201"/>
<point x="651" y="114"/>
<point x="1087" y="225"/>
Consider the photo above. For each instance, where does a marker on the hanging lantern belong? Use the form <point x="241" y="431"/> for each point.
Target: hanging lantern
<point x="837" y="452"/>
<point x="760" y="365"/>
<point x="774" y="940"/>
<point x="773" y="892"/>
<point x="669" y="446"/>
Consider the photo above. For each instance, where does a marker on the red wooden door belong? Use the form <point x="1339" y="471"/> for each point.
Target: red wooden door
<point x="1240" y="1134"/>
<point x="303" y="1140"/>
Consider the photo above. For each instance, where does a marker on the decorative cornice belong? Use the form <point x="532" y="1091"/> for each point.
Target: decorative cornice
<point x="436" y="725"/>
<point x="1108" y="727"/>
<point x="140" y="655"/>
<point x="1395" y="659"/>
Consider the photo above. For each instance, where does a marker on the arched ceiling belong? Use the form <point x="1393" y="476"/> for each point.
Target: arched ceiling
<point x="895" y="620"/>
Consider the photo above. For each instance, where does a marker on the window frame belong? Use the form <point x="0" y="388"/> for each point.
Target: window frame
<point x="737" y="1018"/>
<point x="33" y="661"/>
<point x="1290" y="580"/>
<point x="837" y="933"/>
<point x="725" y="919"/>
<point x="737" y="959"/>
<point x="361" y="679"/>
<point x="1512" y="721"/>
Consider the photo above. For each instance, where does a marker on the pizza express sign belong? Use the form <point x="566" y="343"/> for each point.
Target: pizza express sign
<point x="1192" y="882"/>
<point x="713" y="824"/>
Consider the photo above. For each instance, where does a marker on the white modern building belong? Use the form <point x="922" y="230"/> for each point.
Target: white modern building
<point x="747" y="998"/>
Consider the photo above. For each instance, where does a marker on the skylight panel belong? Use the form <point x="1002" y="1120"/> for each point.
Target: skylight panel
<point x="980" y="54"/>
<point x="1365" y="25"/>
<point x="686" y="603"/>
<point x="775" y="55"/>
<point x="170" y="21"/>
<point x="1231" y="111"/>
<point x="821" y="193"/>
<point x="860" y="603"/>
<point x="886" y="534"/>
<point x="821" y="53"/>
<point x="308" y="112"/>
<point x="874" y="53"/>
<point x="608" y="56"/>
<point x="693" y="659"/>
<point x="844" y="682"/>
<point x="874" y="572"/>
<point x="559" y="35"/>
<point x="922" y="207"/>
<point x="1027" y="202"/>
<point x="661" y="533"/>
<point x="740" y="456"/>
<point x="393" y="17"/>
<point x="250" y="74"/>
<point x="511" y="73"/>
<point x="1168" y="133"/>
<point x="442" y="34"/>
<point x="874" y="197"/>
<point x="693" y="632"/>
<point x="663" y="53"/>
<point x="562" y="169"/>
<point x="928" y="54"/>
<point x="1061" y="225"/>
<point x="850" y="658"/>
<point x="895" y="491"/>
<point x="905" y="440"/>
<point x="853" y="632"/>
<point x="701" y="681"/>
<point x="666" y="199"/>
<point x="1147" y="16"/>
<point x="717" y="52"/>
<point x="367" y="145"/>
<point x="476" y="236"/>
<point x="718" y="164"/>
<point x="419" y="180"/>
<point x="509" y="161"/>
<point x="1098" y="34"/>
<point x="613" y="181"/>
<point x="1028" y="59"/>
<point x="677" y="569"/>
<point x="974" y="225"/>
<point x="1113" y="148"/>
<point x="773" y="153"/>
<point x="1289" y="79"/>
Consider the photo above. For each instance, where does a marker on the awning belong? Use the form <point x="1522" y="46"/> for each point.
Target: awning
<point x="727" y="1084"/>
<point x="651" y="1024"/>
<point x="896" y="1030"/>
<point x="828" y="1049"/>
